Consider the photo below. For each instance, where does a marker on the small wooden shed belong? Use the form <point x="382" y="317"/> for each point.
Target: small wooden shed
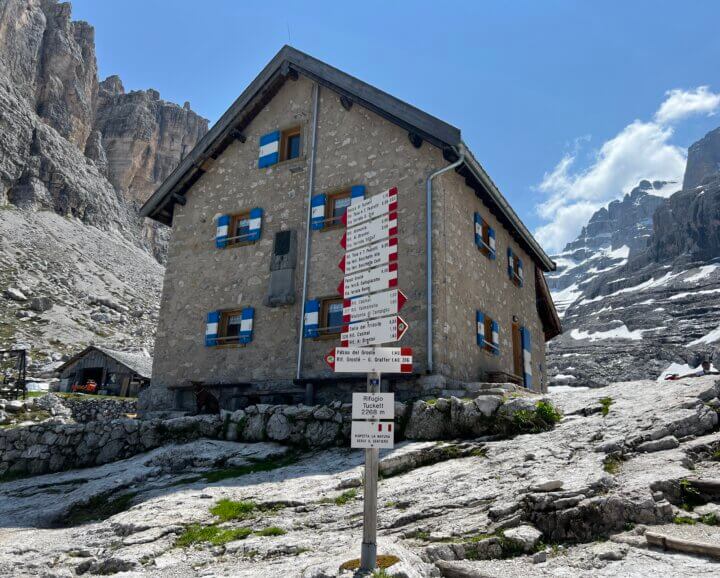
<point x="120" y="373"/>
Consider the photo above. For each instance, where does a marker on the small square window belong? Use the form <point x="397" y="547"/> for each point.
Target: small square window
<point x="239" y="229"/>
<point x="337" y="204"/>
<point x="229" y="333"/>
<point x="516" y="277"/>
<point x="290" y="141"/>
<point x="331" y="317"/>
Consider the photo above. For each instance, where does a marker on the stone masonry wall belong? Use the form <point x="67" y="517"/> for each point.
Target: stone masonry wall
<point x="91" y="409"/>
<point x="52" y="447"/>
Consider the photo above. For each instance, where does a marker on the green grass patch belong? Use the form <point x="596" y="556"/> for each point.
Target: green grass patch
<point x="612" y="464"/>
<point x="421" y="535"/>
<point x="100" y="507"/>
<point x="605" y="403"/>
<point x="255" y="467"/>
<point x="228" y="510"/>
<point x="716" y="456"/>
<point x="683" y="520"/>
<point x="479" y="453"/>
<point x="345" y="497"/>
<point x="271" y="531"/>
<point x="197" y="534"/>
<point x="710" y="520"/>
<point x="689" y="495"/>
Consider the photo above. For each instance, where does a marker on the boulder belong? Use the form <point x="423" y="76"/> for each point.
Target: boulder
<point x="466" y="418"/>
<point x="40" y="304"/>
<point x="487" y="404"/>
<point x="666" y="443"/>
<point x="426" y="423"/>
<point x="14" y="294"/>
<point x="4" y="418"/>
<point x="322" y="433"/>
<point x="15" y="406"/>
<point x="278" y="427"/>
<point x="525" y="537"/>
<point x="512" y="406"/>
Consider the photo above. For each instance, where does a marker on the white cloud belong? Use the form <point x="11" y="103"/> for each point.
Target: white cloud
<point x="683" y="103"/>
<point x="641" y="150"/>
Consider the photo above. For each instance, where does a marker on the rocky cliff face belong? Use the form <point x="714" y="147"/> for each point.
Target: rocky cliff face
<point x="77" y="158"/>
<point x="703" y="160"/>
<point x="611" y="236"/>
<point x="653" y="310"/>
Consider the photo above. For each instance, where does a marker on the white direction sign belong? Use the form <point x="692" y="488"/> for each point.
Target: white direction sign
<point x="372" y="306"/>
<point x="373" y="406"/>
<point x="374" y="255"/>
<point x="374" y="331"/>
<point x="370" y="359"/>
<point x="369" y="281"/>
<point x="370" y="208"/>
<point x="372" y="434"/>
<point x="378" y="229"/>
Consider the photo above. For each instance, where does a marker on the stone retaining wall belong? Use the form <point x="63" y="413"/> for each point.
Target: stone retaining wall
<point x="52" y="447"/>
<point x="88" y="408"/>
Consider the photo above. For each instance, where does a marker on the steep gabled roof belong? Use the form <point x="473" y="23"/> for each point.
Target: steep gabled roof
<point x="136" y="362"/>
<point x="288" y="64"/>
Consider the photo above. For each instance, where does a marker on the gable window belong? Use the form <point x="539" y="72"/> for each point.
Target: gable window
<point x="290" y="144"/>
<point x="484" y="237"/>
<point x="515" y="268"/>
<point x="488" y="333"/>
<point x="331" y="317"/>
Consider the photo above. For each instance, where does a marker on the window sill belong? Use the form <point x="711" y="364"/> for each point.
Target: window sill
<point x="290" y="163"/>
<point x="239" y="244"/>
<point x="327" y="337"/>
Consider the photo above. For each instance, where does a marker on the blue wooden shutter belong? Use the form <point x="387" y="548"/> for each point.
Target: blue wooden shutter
<point x="221" y="233"/>
<point x="478" y="230"/>
<point x="317" y="218"/>
<point x="211" y="329"/>
<point x="493" y="244"/>
<point x="357" y="194"/>
<point x="246" y="324"/>
<point x="255" y="224"/>
<point x="496" y="337"/>
<point x="311" y="320"/>
<point x="480" y="328"/>
<point x="527" y="357"/>
<point x="510" y="269"/>
<point x="520" y="271"/>
<point x="269" y="149"/>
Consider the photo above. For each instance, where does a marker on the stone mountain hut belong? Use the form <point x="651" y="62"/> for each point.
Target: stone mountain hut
<point x="250" y="307"/>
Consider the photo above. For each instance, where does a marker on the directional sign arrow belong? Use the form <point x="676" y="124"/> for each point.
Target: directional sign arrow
<point x="370" y="256"/>
<point x="373" y="359"/>
<point x="378" y="229"/>
<point x="373" y="306"/>
<point x="370" y="208"/>
<point x="369" y="281"/>
<point x="374" y="331"/>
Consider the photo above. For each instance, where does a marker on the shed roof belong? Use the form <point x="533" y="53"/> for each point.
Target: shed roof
<point x="139" y="363"/>
<point x="288" y="63"/>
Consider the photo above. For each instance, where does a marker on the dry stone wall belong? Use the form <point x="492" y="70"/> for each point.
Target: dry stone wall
<point x="51" y="446"/>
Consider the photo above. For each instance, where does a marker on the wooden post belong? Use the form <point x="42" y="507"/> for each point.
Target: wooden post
<point x="368" y="552"/>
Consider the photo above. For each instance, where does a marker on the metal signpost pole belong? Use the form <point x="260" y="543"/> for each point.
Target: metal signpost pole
<point x="368" y="553"/>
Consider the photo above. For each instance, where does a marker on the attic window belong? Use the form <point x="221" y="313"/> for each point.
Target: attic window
<point x="290" y="143"/>
<point x="335" y="208"/>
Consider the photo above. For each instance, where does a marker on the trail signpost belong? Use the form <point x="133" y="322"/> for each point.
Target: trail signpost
<point x="370" y="310"/>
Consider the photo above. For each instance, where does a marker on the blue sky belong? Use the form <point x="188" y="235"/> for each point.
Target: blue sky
<point x="558" y="99"/>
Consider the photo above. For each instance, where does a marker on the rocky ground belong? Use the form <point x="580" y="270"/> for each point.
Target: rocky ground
<point x="576" y="500"/>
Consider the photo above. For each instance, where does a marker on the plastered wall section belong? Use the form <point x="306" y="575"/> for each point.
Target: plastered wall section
<point x="355" y="147"/>
<point x="467" y="281"/>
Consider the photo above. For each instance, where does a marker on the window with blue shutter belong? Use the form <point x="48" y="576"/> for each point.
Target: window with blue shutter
<point x="311" y="319"/>
<point x="515" y="268"/>
<point x="255" y="224"/>
<point x="246" y="325"/>
<point x="221" y="232"/>
<point x="317" y="215"/>
<point x="485" y="237"/>
<point x="527" y="357"/>
<point x="269" y="149"/>
<point x="487" y="333"/>
<point x="329" y="209"/>
<point x="211" y="328"/>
